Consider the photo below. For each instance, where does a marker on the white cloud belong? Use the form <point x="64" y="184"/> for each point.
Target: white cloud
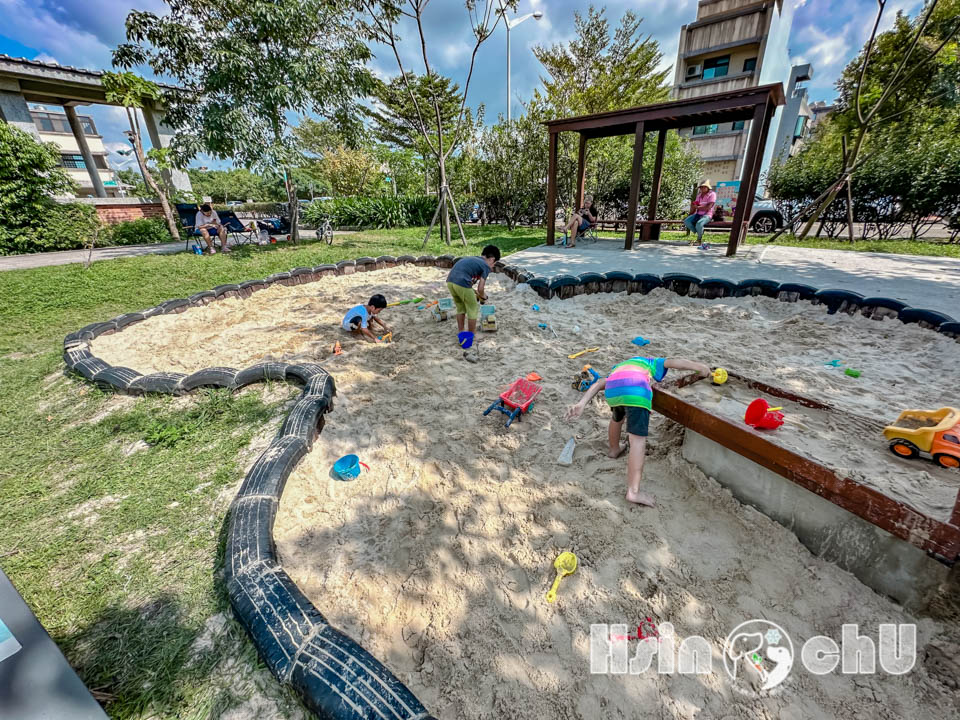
<point x="826" y="49"/>
<point x="908" y="7"/>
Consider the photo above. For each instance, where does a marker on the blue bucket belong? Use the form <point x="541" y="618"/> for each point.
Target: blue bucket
<point x="465" y="338"/>
<point x="347" y="467"/>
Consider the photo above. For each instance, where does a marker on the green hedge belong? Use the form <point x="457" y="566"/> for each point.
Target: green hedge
<point x="145" y="231"/>
<point x="370" y="212"/>
<point x="59" y="226"/>
<point x="69" y="226"/>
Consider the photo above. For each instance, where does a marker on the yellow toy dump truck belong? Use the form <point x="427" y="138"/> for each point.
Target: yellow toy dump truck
<point x="932" y="432"/>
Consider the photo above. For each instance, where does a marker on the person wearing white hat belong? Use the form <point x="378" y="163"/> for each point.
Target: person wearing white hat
<point x="701" y="210"/>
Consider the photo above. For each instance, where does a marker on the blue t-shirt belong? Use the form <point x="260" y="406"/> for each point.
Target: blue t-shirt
<point x="359" y="310"/>
<point x="466" y="271"/>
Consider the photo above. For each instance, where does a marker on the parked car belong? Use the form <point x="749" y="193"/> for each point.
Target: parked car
<point x="765" y="217"/>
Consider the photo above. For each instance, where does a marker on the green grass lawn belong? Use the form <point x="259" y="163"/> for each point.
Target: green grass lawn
<point x="112" y="513"/>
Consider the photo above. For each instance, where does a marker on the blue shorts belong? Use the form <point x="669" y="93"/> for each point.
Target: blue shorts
<point x="584" y="224"/>
<point x="638" y="419"/>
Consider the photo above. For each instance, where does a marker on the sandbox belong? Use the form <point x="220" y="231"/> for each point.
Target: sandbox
<point x="437" y="559"/>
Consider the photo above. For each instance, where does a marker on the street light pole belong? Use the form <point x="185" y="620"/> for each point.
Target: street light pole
<point x="536" y="15"/>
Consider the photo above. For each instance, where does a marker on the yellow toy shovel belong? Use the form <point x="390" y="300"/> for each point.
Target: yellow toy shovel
<point x="566" y="564"/>
<point x="582" y="352"/>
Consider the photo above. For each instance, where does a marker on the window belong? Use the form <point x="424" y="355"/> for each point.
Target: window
<point x="88" y="127"/>
<point x="74" y="162"/>
<point x="738" y="125"/>
<point x="801" y="126"/>
<point x="706" y="129"/>
<point x="952" y="439"/>
<point x="716" y="67"/>
<point x="750" y="64"/>
<point x="57" y="122"/>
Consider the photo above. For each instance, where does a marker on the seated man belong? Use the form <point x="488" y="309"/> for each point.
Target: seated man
<point x="581" y="220"/>
<point x="207" y="220"/>
<point x="701" y="211"/>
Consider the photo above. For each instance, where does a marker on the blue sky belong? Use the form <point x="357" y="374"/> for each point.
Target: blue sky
<point x="82" y="33"/>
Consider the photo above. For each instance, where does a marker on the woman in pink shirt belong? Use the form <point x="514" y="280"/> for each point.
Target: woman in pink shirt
<point x="701" y="210"/>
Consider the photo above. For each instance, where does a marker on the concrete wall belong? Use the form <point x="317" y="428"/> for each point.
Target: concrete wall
<point x="878" y="559"/>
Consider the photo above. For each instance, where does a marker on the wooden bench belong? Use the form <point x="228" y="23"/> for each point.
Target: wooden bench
<point x="650" y="229"/>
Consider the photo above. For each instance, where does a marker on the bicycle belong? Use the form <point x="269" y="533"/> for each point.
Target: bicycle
<point x="325" y="231"/>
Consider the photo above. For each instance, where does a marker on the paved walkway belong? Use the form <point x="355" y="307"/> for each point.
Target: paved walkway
<point x="65" y="257"/>
<point x="923" y="282"/>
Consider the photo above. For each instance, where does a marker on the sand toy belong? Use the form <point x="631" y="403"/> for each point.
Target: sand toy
<point x="761" y="416"/>
<point x="348" y="467"/>
<point x="585" y="378"/>
<point x="640" y="341"/>
<point x="933" y="432"/>
<point x="388" y="338"/>
<point x="566" y="564"/>
<point x="465" y="339"/>
<point x="443" y="309"/>
<point x="404" y="302"/>
<point x="582" y="352"/>
<point x="488" y="318"/>
<point x="516" y="400"/>
<point x="719" y="376"/>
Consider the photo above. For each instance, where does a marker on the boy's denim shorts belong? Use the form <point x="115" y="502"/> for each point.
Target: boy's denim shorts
<point x="638" y="419"/>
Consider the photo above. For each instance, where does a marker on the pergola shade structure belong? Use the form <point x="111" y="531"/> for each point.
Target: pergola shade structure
<point x="757" y="104"/>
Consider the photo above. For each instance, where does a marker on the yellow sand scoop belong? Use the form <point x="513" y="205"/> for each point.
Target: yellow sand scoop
<point x="582" y="352"/>
<point x="566" y="564"/>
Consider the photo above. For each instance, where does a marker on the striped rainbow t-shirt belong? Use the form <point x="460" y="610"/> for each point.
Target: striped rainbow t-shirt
<point x="629" y="383"/>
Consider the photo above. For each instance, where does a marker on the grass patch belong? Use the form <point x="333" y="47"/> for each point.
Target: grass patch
<point x="113" y="510"/>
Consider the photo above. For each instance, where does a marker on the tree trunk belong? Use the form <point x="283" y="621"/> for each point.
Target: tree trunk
<point x="293" y="207"/>
<point x="172" y="225"/>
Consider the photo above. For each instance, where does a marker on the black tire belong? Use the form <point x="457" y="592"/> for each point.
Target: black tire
<point x="328" y="235"/>
<point x="907" y="449"/>
<point x="951" y="462"/>
<point x="764" y="223"/>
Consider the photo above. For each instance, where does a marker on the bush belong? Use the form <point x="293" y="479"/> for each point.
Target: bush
<point x="57" y="226"/>
<point x="370" y="212"/>
<point x="145" y="231"/>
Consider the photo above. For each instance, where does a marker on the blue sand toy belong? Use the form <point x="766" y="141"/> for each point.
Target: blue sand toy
<point x="465" y="339"/>
<point x="535" y="308"/>
<point x="347" y="467"/>
<point x="640" y="341"/>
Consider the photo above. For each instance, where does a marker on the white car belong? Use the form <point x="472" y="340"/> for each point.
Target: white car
<point x="765" y="218"/>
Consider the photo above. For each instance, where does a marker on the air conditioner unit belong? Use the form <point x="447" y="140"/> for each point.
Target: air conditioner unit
<point x="694" y="71"/>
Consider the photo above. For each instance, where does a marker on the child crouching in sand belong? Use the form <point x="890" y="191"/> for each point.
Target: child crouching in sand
<point x="358" y="319"/>
<point x="630" y="395"/>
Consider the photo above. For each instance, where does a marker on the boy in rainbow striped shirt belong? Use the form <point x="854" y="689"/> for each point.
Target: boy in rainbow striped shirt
<point x="630" y="396"/>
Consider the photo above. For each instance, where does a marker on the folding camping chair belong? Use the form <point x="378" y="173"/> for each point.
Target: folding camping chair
<point x="241" y="233"/>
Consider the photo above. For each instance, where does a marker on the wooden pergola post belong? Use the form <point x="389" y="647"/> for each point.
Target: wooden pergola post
<point x="759" y="126"/>
<point x="552" y="189"/>
<point x="655" y="185"/>
<point x="634" y="185"/>
<point x="581" y="172"/>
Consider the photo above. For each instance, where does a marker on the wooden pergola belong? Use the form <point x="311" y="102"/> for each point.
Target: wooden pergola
<point x="756" y="104"/>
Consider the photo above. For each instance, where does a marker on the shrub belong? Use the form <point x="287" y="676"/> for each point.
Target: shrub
<point x="145" y="231"/>
<point x="56" y="226"/>
<point x="371" y="212"/>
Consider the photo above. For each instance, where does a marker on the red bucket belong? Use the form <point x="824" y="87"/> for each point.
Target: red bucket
<point x="759" y="417"/>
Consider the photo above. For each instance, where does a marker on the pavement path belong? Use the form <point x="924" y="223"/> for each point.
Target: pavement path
<point x="65" y="257"/>
<point x="922" y="282"/>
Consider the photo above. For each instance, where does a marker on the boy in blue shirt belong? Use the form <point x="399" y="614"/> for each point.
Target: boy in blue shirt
<point x="464" y="273"/>
<point x="358" y="319"/>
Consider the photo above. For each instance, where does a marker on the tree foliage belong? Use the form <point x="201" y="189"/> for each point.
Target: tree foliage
<point x="244" y="68"/>
<point x="908" y="174"/>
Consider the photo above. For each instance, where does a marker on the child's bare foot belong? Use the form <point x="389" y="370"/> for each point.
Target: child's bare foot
<point x="617" y="453"/>
<point x="641" y="498"/>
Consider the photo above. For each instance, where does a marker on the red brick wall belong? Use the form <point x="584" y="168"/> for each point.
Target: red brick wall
<point x="113" y="214"/>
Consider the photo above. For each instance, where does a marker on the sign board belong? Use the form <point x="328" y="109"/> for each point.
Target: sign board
<point x="727" y="191"/>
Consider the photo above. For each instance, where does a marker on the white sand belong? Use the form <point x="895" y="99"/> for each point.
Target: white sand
<point x="438" y="558"/>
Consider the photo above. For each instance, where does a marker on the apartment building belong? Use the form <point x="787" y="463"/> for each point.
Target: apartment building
<point x="732" y="44"/>
<point x="55" y="127"/>
<point x="798" y="115"/>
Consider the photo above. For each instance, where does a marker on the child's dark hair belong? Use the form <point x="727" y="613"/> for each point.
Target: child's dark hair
<point x="378" y="301"/>
<point x="491" y="251"/>
<point x="205" y="207"/>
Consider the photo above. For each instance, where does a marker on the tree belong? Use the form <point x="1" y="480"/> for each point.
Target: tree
<point x="595" y="71"/>
<point x="384" y="16"/>
<point x="132" y="92"/>
<point x="900" y="73"/>
<point x="244" y="68"/>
